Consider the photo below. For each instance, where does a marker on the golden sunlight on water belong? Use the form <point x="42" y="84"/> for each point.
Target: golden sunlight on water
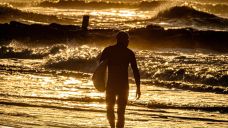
<point x="66" y="98"/>
<point x="99" y="18"/>
<point x="72" y="81"/>
<point x="51" y="86"/>
<point x="49" y="101"/>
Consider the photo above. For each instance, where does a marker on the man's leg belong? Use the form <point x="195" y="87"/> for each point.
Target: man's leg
<point x="122" y="102"/>
<point x="110" y="103"/>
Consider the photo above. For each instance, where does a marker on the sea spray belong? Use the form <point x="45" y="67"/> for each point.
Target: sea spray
<point x="81" y="58"/>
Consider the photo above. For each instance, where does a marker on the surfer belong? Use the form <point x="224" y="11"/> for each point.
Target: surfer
<point x="119" y="57"/>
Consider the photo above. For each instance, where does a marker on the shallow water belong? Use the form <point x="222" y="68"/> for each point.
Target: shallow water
<point x="33" y="95"/>
<point x="57" y="101"/>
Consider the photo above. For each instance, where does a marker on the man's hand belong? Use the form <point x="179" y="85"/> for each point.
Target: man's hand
<point x="138" y="93"/>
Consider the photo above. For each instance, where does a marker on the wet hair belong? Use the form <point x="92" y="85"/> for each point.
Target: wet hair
<point x="122" y="36"/>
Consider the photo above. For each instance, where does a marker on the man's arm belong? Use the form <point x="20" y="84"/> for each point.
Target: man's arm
<point x="136" y="75"/>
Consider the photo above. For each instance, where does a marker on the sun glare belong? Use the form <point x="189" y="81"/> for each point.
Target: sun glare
<point x="72" y="81"/>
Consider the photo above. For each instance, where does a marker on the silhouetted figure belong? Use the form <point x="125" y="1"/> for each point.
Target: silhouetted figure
<point x="119" y="57"/>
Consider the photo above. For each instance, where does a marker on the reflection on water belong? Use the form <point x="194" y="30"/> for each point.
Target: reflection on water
<point x="34" y="102"/>
<point x="34" y="95"/>
<point x="105" y="18"/>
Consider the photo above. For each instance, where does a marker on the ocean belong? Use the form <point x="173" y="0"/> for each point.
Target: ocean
<point x="47" y="62"/>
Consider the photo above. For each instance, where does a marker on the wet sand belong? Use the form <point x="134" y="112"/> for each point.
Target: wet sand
<point x="59" y="101"/>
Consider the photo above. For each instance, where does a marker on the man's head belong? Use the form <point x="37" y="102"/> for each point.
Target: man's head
<point x="122" y="39"/>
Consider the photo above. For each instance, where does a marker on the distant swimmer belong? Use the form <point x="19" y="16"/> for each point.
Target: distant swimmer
<point x="118" y="58"/>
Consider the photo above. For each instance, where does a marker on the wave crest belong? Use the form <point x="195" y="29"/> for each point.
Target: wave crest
<point x="184" y="12"/>
<point x="80" y="59"/>
<point x="8" y="9"/>
<point x="10" y="51"/>
<point x="9" y="13"/>
<point x="184" y="16"/>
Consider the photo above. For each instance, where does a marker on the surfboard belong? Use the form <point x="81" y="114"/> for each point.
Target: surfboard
<point x="99" y="77"/>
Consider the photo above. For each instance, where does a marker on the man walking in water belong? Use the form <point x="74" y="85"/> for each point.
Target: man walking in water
<point x="119" y="57"/>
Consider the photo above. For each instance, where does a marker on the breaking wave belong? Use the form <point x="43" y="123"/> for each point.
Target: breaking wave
<point x="28" y="53"/>
<point x="203" y="80"/>
<point x="156" y="69"/>
<point x="9" y="13"/>
<point x="81" y="59"/>
<point x="185" y="12"/>
<point x="190" y="17"/>
<point x="207" y="78"/>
